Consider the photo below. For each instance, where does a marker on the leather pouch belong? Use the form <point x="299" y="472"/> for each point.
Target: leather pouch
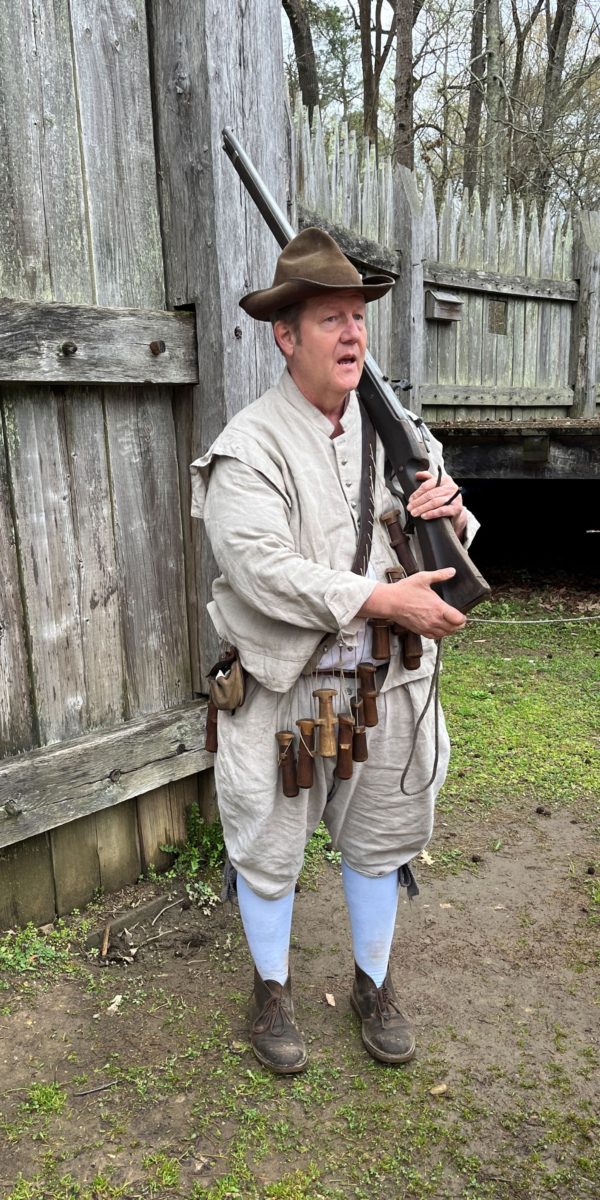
<point x="226" y="682"/>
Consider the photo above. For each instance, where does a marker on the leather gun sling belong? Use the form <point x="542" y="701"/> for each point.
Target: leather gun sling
<point x="367" y="494"/>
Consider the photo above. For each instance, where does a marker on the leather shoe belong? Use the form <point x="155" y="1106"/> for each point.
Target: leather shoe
<point x="275" y="1038"/>
<point x="386" y="1031"/>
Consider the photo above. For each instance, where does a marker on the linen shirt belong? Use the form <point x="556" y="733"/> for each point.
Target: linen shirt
<point x="280" y="498"/>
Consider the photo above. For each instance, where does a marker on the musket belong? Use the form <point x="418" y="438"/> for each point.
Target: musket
<point x="404" y="446"/>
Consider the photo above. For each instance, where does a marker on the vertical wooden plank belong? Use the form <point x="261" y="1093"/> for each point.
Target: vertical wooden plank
<point x="447" y="335"/>
<point x="408" y="321"/>
<point x="532" y="314"/>
<point x="44" y="252"/>
<point x="585" y="334"/>
<point x="17" y="720"/>
<point x="98" y="579"/>
<point x="567" y="311"/>
<point x="26" y="883"/>
<point x="322" y="187"/>
<point x="354" y="207"/>
<point x="544" y="376"/>
<point x="149" y="548"/>
<point x="162" y="820"/>
<point x="50" y="559"/>
<point x="118" y="845"/>
<point x="463" y="412"/>
<point x="210" y="69"/>
<point x="489" y="346"/>
<point x="76" y="863"/>
<point x="476" y="303"/>
<point x="113" y="82"/>
<point x="518" y="306"/>
<point x="504" y="342"/>
<point x="430" y="251"/>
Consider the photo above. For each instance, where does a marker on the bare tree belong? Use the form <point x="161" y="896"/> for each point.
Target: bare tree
<point x="403" y="144"/>
<point x="494" y="133"/>
<point x="298" y="17"/>
<point x="375" y="45"/>
<point x="475" y="87"/>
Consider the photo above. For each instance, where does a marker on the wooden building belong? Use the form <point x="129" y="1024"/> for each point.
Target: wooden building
<point x="125" y="243"/>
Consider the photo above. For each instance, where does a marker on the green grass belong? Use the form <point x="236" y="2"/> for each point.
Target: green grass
<point x="29" y="951"/>
<point x="521" y="702"/>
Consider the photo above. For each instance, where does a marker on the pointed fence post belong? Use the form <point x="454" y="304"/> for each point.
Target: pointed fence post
<point x="408" y="315"/>
<point x="584" y="339"/>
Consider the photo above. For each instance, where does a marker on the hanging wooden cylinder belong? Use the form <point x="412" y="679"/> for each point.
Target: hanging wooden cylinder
<point x="381" y="638"/>
<point x="400" y="541"/>
<point x="327" y="722"/>
<point x="360" y="752"/>
<point x="211" y="740"/>
<point x="368" y="693"/>
<point x="343" y="766"/>
<point x="412" y="646"/>
<point x="306" y="752"/>
<point x="287" y="762"/>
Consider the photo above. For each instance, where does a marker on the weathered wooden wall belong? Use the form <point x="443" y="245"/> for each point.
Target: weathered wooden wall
<point x="114" y="194"/>
<point x="533" y="272"/>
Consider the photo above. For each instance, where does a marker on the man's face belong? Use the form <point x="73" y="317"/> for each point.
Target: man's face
<point x="325" y="358"/>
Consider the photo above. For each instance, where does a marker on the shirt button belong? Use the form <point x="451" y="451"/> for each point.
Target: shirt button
<point x="344" y="462"/>
<point x="348" y="483"/>
<point x="353" y="504"/>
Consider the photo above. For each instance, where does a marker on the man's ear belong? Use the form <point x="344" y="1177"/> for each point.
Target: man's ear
<point x="284" y="336"/>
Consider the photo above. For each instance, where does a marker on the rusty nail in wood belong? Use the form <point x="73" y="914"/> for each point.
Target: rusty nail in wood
<point x="12" y="809"/>
<point x="115" y="775"/>
<point x="69" y="348"/>
<point x="157" y="348"/>
<point x="238" y="331"/>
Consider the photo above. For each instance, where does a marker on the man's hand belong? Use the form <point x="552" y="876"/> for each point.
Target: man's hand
<point x="431" y="500"/>
<point x="413" y="603"/>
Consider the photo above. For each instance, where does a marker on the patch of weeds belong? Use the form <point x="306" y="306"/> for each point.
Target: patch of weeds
<point x="164" y="1172"/>
<point x="45" y="1098"/>
<point x="203" y="852"/>
<point x="27" y="950"/>
<point x="318" y="850"/>
<point x="450" y="862"/>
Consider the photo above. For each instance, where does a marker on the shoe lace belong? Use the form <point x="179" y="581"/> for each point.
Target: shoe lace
<point x="386" y="1005"/>
<point x="273" y="1018"/>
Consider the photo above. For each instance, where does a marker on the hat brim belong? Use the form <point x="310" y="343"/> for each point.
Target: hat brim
<point x="262" y="304"/>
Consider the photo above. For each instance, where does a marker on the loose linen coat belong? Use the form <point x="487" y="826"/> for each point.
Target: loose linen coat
<point x="280" y="500"/>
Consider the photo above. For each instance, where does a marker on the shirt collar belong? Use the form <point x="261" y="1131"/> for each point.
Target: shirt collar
<point x="298" y="401"/>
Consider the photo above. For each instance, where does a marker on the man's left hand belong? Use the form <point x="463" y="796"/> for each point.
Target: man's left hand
<point x="432" y="499"/>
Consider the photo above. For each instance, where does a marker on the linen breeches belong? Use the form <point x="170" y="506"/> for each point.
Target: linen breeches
<point x="371" y="821"/>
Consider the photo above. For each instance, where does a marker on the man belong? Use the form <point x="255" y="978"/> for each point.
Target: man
<point x="280" y="494"/>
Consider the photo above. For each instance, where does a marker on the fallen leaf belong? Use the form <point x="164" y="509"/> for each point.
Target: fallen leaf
<point x="114" y="1005"/>
<point x="499" y="908"/>
<point x="426" y="858"/>
<point x="330" y="999"/>
<point x="439" y="1089"/>
<point x="445" y="906"/>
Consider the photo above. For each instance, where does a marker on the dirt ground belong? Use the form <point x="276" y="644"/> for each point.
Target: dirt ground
<point x="497" y="964"/>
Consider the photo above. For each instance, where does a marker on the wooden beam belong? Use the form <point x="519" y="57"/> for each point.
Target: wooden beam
<point x="450" y="395"/>
<point x="52" y="785"/>
<point x="364" y="253"/>
<point x="501" y="285"/>
<point x="502" y="449"/>
<point x="78" y="343"/>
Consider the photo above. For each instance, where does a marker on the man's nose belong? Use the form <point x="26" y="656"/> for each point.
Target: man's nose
<point x="352" y="329"/>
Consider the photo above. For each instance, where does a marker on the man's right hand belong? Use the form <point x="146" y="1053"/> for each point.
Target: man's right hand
<point x="413" y="603"/>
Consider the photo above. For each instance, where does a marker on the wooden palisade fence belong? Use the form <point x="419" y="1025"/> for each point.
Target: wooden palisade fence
<point x="122" y="353"/>
<point x="494" y="318"/>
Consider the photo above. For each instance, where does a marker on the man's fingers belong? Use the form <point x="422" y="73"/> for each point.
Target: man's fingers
<point x="438" y="576"/>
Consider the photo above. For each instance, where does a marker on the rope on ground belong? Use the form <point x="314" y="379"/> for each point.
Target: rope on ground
<point x="530" y="620"/>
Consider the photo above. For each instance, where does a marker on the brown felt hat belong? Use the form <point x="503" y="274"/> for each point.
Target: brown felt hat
<point x="310" y="265"/>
